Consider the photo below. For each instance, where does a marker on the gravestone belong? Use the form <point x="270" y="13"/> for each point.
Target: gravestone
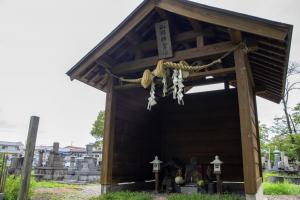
<point x="54" y="169"/>
<point x="276" y="159"/>
<point x="16" y="164"/>
<point x="40" y="161"/>
<point x="83" y="169"/>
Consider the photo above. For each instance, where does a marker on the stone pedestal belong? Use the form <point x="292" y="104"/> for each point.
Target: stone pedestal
<point x="189" y="189"/>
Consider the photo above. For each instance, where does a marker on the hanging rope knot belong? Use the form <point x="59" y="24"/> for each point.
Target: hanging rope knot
<point x="181" y="71"/>
<point x="147" y="78"/>
<point x="160" y="69"/>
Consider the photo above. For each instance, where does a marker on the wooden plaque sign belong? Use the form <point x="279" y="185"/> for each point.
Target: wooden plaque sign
<point x="164" y="45"/>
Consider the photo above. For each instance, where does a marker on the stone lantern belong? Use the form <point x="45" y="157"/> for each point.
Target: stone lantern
<point x="156" y="164"/>
<point x="217" y="171"/>
<point x="217" y="165"/>
<point x="156" y="168"/>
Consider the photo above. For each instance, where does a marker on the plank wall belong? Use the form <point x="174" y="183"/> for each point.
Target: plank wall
<point x="136" y="141"/>
<point x="207" y="125"/>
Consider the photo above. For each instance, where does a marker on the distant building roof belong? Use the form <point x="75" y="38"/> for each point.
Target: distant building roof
<point x="11" y="143"/>
<point x="75" y="149"/>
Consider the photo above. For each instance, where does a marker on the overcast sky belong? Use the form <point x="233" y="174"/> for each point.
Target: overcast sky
<point x="41" y="39"/>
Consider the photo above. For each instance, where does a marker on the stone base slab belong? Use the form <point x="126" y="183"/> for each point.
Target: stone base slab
<point x="258" y="196"/>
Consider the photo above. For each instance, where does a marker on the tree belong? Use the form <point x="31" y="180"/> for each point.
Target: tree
<point x="279" y="126"/>
<point x="264" y="137"/>
<point x="291" y="85"/>
<point x="289" y="143"/>
<point x="296" y="117"/>
<point x="98" y="129"/>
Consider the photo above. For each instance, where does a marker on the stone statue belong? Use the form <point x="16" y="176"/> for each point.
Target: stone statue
<point x="193" y="171"/>
<point x="169" y="171"/>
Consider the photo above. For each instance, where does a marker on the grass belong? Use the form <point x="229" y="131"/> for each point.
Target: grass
<point x="204" y="197"/>
<point x="52" y="184"/>
<point x="266" y="175"/>
<point x="125" y="196"/>
<point x="284" y="188"/>
<point x="281" y="188"/>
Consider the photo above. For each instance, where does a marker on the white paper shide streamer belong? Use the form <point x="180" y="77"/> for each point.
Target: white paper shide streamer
<point x="151" y="99"/>
<point x="180" y="88"/>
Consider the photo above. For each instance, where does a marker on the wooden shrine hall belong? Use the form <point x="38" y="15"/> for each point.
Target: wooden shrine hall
<point x="161" y="51"/>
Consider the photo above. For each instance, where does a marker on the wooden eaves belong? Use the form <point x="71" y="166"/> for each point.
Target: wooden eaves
<point x="273" y="38"/>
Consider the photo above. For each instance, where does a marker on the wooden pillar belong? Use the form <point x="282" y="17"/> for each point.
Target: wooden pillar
<point x="109" y="128"/>
<point x="29" y="153"/>
<point x="257" y="138"/>
<point x="250" y="149"/>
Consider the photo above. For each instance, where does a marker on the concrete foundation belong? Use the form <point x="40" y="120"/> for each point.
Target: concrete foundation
<point x="258" y="196"/>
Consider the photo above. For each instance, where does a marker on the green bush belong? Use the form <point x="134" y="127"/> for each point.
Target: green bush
<point x="281" y="189"/>
<point x="125" y="196"/>
<point x="204" y="197"/>
<point x="12" y="188"/>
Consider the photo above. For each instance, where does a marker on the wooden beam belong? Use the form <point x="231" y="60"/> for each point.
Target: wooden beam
<point x="192" y="77"/>
<point x="195" y="24"/>
<point x="84" y="75"/>
<point x="204" y="52"/>
<point x="215" y="16"/>
<point x="259" y="64"/>
<point x="109" y="131"/>
<point x="245" y="95"/>
<point x="236" y="37"/>
<point x="276" y="46"/>
<point x="258" y="59"/>
<point x="269" y="57"/>
<point x="200" y="41"/>
<point x="216" y="72"/>
<point x="179" y="38"/>
<point x="164" y="15"/>
<point x="263" y="49"/>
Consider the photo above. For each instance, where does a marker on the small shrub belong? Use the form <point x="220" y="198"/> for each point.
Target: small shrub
<point x="125" y="196"/>
<point x="12" y="188"/>
<point x="281" y="189"/>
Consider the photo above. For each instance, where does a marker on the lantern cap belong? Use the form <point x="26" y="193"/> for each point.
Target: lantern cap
<point x="276" y="151"/>
<point x="156" y="161"/>
<point x="217" y="160"/>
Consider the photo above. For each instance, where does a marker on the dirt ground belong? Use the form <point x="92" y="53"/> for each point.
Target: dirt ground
<point x="83" y="192"/>
<point x="283" y="197"/>
<point x="79" y="193"/>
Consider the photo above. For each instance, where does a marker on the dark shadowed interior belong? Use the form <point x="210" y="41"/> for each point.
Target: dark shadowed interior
<point x="207" y="125"/>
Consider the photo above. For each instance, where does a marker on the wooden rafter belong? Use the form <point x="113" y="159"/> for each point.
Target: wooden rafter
<point x="223" y="19"/>
<point x="206" y="51"/>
